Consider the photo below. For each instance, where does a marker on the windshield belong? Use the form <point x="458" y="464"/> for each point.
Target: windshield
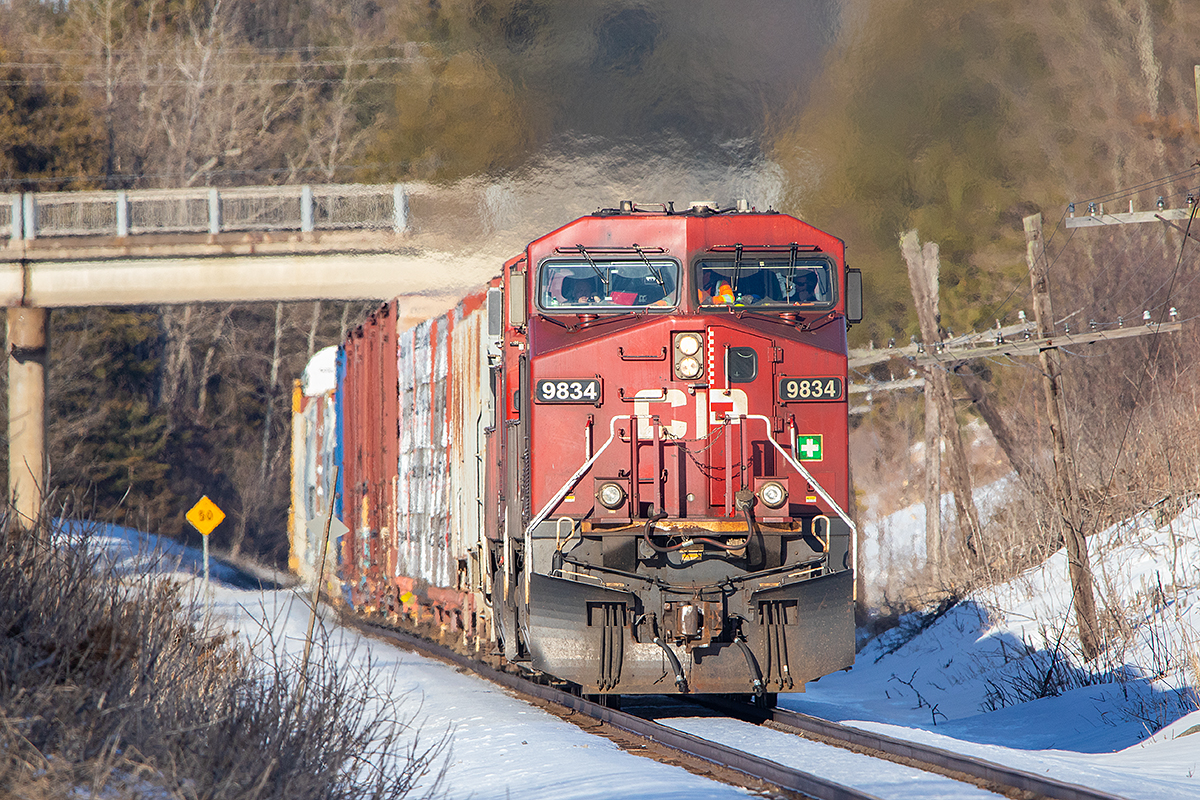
<point x="765" y="282"/>
<point x="588" y="286"/>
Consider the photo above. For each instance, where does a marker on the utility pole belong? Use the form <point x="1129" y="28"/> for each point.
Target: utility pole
<point x="924" y="283"/>
<point x="923" y="268"/>
<point x="1064" y="468"/>
<point x="1017" y="341"/>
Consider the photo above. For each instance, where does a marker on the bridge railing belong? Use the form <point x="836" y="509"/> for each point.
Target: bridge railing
<point x="306" y="208"/>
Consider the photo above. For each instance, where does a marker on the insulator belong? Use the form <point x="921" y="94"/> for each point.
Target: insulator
<point x="1146" y="317"/>
<point x="1092" y="324"/>
<point x="1120" y="322"/>
<point x="1161" y="204"/>
<point x="1174" y="314"/>
<point x="1092" y="209"/>
<point x="892" y="343"/>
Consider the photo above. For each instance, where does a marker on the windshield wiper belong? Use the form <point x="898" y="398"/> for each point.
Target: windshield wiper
<point x="737" y="267"/>
<point x="653" y="269"/>
<point x="603" y="279"/>
<point x="791" y="278"/>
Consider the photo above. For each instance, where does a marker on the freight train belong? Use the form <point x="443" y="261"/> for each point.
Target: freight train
<point x="623" y="463"/>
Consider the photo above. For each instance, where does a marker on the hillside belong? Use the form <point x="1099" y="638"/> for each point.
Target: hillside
<point x="959" y="118"/>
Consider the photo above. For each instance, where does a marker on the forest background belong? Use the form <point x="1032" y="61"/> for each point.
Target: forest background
<point x="953" y="118"/>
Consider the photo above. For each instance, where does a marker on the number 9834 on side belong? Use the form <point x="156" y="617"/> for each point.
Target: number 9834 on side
<point x="803" y="390"/>
<point x="567" y="390"/>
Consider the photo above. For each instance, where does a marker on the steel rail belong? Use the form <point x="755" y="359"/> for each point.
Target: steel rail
<point x="783" y="777"/>
<point x="943" y="760"/>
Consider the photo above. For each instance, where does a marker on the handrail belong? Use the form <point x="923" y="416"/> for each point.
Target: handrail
<point x="652" y="357"/>
<point x="541" y="516"/>
<point x="210" y="210"/>
<point x="661" y="397"/>
<point x="797" y="466"/>
<point x="820" y="491"/>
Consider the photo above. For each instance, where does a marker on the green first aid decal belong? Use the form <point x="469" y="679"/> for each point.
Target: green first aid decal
<point x="808" y="447"/>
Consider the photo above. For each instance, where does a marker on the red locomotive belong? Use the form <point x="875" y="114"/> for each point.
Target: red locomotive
<point x="622" y="464"/>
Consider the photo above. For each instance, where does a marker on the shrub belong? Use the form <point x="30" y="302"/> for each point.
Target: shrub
<point x="109" y="684"/>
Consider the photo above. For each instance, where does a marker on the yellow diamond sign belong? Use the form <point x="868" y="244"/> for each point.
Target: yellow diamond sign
<point x="205" y="516"/>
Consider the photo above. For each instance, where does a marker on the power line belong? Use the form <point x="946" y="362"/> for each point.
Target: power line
<point x="268" y="171"/>
<point x="358" y="62"/>
<point x="1130" y="190"/>
<point x="1153" y="343"/>
<point x="222" y="82"/>
<point x="237" y="49"/>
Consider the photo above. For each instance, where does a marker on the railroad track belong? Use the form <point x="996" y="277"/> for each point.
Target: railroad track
<point x="728" y="762"/>
<point x="988" y="775"/>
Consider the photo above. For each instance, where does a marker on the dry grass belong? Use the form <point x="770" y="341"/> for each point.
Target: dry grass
<point x="110" y="688"/>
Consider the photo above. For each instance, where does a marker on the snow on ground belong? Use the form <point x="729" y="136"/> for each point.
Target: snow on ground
<point x="502" y="747"/>
<point x="999" y="674"/>
<point x="996" y="675"/>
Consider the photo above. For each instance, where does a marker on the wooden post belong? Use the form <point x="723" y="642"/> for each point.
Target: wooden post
<point x="935" y="549"/>
<point x="1064" y="468"/>
<point x="923" y="267"/>
<point x="1197" y="71"/>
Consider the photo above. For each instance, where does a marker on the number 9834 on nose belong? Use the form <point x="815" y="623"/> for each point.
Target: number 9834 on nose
<point x="567" y="390"/>
<point x="797" y="390"/>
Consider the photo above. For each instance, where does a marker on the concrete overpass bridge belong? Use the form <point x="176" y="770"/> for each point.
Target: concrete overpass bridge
<point x="425" y="244"/>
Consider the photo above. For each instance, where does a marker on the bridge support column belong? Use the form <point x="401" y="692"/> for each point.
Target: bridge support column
<point x="28" y="354"/>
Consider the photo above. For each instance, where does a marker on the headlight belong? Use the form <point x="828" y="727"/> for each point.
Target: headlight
<point x="688" y="368"/>
<point x="688" y="362"/>
<point x="611" y="495"/>
<point x="689" y="343"/>
<point x="772" y="494"/>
